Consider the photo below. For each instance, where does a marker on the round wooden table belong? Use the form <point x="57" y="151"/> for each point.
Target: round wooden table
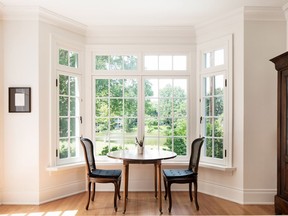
<point x="148" y="157"/>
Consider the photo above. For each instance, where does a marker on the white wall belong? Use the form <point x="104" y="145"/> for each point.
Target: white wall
<point x="21" y="131"/>
<point x="254" y="105"/>
<point x="228" y="185"/>
<point x="263" y="41"/>
<point x="66" y="182"/>
<point x="1" y="107"/>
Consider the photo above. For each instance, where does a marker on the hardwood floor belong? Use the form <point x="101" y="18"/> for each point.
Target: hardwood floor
<point x="139" y="203"/>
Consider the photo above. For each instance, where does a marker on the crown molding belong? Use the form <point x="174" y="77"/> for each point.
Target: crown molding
<point x="36" y="13"/>
<point x="136" y="34"/>
<point x="62" y="22"/>
<point x="264" y="14"/>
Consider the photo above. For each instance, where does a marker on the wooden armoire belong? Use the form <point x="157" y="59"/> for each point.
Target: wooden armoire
<point x="281" y="198"/>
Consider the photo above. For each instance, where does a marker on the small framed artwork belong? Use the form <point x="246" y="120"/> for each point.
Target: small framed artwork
<point x="19" y="99"/>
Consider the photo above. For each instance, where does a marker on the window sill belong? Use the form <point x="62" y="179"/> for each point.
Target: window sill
<point x="217" y="167"/>
<point x="65" y="167"/>
<point x="118" y="162"/>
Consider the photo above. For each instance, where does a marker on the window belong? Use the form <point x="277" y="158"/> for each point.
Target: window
<point x="116" y="62"/>
<point x="165" y="62"/>
<point x="215" y="75"/>
<point x="68" y="82"/>
<point x="154" y="106"/>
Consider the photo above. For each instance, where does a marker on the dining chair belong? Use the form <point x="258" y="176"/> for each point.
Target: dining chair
<point x="182" y="176"/>
<point x="95" y="175"/>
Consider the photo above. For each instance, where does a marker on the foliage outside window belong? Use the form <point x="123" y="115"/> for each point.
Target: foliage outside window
<point x="117" y="112"/>
<point x="166" y="114"/>
<point x="68" y="58"/>
<point x="69" y="117"/>
<point x="213" y="115"/>
<point x="116" y="62"/>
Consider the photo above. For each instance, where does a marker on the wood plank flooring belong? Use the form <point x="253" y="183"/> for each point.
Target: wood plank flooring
<point x="139" y="203"/>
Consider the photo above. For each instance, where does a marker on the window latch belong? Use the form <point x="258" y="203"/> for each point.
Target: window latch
<point x="201" y="120"/>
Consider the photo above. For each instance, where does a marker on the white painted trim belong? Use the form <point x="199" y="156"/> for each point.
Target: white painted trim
<point x="246" y="196"/>
<point x="35" y="13"/>
<point x="264" y="13"/>
<point x="60" y="191"/>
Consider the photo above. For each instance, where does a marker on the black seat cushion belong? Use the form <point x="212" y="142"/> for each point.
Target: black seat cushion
<point x="174" y="173"/>
<point x="106" y="173"/>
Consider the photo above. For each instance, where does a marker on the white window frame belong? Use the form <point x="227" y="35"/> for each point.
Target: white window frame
<point x="141" y="74"/>
<point x="56" y="69"/>
<point x="226" y="69"/>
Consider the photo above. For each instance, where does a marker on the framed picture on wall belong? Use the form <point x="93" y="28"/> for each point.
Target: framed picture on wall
<point x="19" y="99"/>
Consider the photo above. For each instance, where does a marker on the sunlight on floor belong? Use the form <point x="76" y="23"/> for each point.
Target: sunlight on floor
<point x="52" y="213"/>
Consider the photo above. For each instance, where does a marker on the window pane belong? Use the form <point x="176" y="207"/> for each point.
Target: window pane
<point x="72" y="127"/>
<point x="116" y="88"/>
<point x="180" y="146"/>
<point x="208" y="106"/>
<point x="165" y="143"/>
<point x="151" y="62"/>
<point x="116" y="107"/>
<point x="63" y="57"/>
<point x="151" y="107"/>
<point x="219" y="85"/>
<point x="101" y="88"/>
<point x="165" y="127"/>
<point x="116" y="126"/>
<point x="130" y="88"/>
<point x="208" y="147"/>
<point x="116" y="63"/>
<point x="101" y="126"/>
<point x="151" y="127"/>
<point x="72" y="147"/>
<point x="165" y="88"/>
<point x="165" y="62"/>
<point x="63" y="127"/>
<point x="180" y="127"/>
<point x="102" y="62"/>
<point x="63" y="106"/>
<point x="208" y="127"/>
<point x="219" y="57"/>
<point x="180" y="88"/>
<point x="218" y="127"/>
<point x="101" y="107"/>
<point x="208" y="86"/>
<point x="130" y="107"/>
<point x="207" y="60"/>
<point x="72" y="106"/>
<point x="151" y="87"/>
<point x="180" y="107"/>
<point x="73" y="59"/>
<point x="218" y="148"/>
<point x="63" y="148"/>
<point x="130" y="62"/>
<point x="63" y="85"/>
<point x="179" y="63"/>
<point x="218" y="106"/>
<point x="165" y="107"/>
<point x="130" y="127"/>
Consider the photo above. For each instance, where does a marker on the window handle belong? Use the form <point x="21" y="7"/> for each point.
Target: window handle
<point x="201" y="120"/>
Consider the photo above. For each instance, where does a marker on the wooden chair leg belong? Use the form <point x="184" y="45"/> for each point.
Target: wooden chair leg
<point x="169" y="196"/>
<point x="115" y="195"/>
<point x="93" y="189"/>
<point x="195" y="195"/>
<point x="165" y="186"/>
<point x="89" y="193"/>
<point x="119" y="185"/>
<point x="190" y="191"/>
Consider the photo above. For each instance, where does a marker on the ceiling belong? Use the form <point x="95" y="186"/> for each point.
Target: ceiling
<point x="142" y="12"/>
